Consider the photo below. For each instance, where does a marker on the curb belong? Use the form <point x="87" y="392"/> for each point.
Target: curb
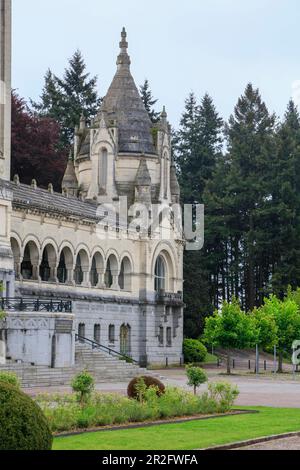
<point x="154" y="423"/>
<point x="250" y="442"/>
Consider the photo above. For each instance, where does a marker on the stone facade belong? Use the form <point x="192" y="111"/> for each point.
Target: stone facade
<point x="124" y="280"/>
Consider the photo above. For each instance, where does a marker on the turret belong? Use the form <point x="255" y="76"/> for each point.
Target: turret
<point x="70" y="183"/>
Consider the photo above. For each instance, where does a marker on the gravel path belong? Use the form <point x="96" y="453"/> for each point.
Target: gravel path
<point x="290" y="443"/>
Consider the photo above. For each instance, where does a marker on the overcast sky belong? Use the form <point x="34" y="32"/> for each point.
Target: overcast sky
<point x="179" y="45"/>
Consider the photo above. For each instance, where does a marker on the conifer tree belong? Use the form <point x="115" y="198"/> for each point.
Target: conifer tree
<point x="149" y="101"/>
<point x="197" y="149"/>
<point x="66" y="99"/>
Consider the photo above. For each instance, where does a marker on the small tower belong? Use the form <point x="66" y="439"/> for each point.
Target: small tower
<point x="70" y="183"/>
<point x="143" y="185"/>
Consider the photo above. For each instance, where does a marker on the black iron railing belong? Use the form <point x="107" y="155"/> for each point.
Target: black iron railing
<point x="105" y="349"/>
<point x="35" y="305"/>
<point x="169" y="297"/>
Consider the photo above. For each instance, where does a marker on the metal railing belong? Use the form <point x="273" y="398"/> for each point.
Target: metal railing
<point x="105" y="349"/>
<point x="169" y="297"/>
<point x="35" y="305"/>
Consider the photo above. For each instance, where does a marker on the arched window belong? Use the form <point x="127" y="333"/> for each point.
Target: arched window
<point x="103" y="160"/>
<point x="108" y="275"/>
<point x="78" y="272"/>
<point x="125" y="340"/>
<point x="160" y="274"/>
<point x="111" y="334"/>
<point x="125" y="275"/>
<point x="45" y="267"/>
<point x="97" y="333"/>
<point x="30" y="264"/>
<point x="81" y="331"/>
<point x="62" y="273"/>
<point x="94" y="274"/>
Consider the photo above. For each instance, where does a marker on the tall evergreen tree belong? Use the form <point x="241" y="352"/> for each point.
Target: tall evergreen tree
<point x="251" y="146"/>
<point x="149" y="101"/>
<point x="286" y="204"/>
<point x="66" y="99"/>
<point x="198" y="147"/>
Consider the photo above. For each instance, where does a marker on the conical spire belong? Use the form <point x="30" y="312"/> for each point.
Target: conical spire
<point x="70" y="182"/>
<point x="143" y="177"/>
<point x="124" y="105"/>
<point x="123" y="58"/>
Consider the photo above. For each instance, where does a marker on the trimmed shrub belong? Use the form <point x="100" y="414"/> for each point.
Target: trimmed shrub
<point x="23" y="425"/>
<point x="133" y="387"/>
<point x="10" y="378"/>
<point x="194" y="351"/>
<point x="196" y="377"/>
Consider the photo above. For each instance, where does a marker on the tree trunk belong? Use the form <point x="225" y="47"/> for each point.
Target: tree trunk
<point x="228" y="364"/>
<point x="280" y="363"/>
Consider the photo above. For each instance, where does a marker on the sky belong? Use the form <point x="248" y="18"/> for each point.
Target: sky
<point x="214" y="46"/>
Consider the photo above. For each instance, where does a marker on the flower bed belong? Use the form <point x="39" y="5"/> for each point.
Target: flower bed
<point x="64" y="413"/>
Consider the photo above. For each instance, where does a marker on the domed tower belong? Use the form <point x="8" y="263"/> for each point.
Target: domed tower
<point x="108" y="154"/>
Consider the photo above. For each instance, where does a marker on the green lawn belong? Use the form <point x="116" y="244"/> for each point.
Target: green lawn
<point x="190" y="435"/>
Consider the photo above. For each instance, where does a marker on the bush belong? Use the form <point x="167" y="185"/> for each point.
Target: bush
<point x="196" y="376"/>
<point x="194" y="351"/>
<point x="23" y="425"/>
<point x="224" y="394"/>
<point x="10" y="378"/>
<point x="83" y="384"/>
<point x="134" y="387"/>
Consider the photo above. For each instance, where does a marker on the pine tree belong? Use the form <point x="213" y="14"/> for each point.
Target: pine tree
<point x="197" y="149"/>
<point x="66" y="99"/>
<point x="251" y="146"/>
<point x="286" y="204"/>
<point x="149" y="101"/>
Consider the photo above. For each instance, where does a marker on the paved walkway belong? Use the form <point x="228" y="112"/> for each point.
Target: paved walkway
<point x="262" y="391"/>
<point x="290" y="443"/>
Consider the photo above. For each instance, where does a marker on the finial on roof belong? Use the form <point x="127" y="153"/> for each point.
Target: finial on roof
<point x="164" y="113"/>
<point x="34" y="184"/>
<point x="50" y="188"/>
<point x="123" y="58"/>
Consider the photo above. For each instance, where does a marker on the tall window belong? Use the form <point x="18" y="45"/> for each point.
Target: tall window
<point x="111" y="333"/>
<point x="161" y="336"/>
<point x="103" y="170"/>
<point x="81" y="330"/>
<point x="97" y="333"/>
<point x="160" y="274"/>
<point x="169" y="337"/>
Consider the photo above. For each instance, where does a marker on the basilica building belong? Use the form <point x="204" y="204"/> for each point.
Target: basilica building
<point x="81" y="266"/>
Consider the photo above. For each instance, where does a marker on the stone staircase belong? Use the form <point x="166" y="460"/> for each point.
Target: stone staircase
<point x="104" y="368"/>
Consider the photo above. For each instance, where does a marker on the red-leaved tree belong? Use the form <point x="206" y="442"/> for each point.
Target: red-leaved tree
<point x="35" y="147"/>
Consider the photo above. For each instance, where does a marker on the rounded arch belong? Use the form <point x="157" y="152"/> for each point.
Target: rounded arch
<point x="48" y="262"/>
<point x="125" y="339"/>
<point x="66" y="264"/>
<point x="50" y="242"/>
<point x="31" y="239"/>
<point x="82" y="265"/>
<point x="111" y="271"/>
<point x="97" y="268"/>
<point x="31" y="261"/>
<point x="164" y="256"/>
<point x="125" y="276"/>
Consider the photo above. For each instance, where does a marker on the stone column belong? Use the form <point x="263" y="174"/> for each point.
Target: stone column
<point x="101" y="280"/>
<point x="115" y="284"/>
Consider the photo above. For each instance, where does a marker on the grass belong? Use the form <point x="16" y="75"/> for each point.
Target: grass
<point x="189" y="435"/>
